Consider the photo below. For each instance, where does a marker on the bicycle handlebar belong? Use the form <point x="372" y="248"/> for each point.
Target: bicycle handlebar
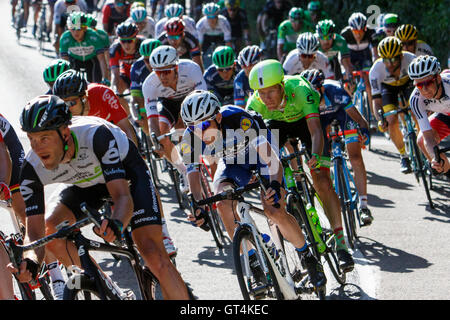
<point x="437" y="153"/>
<point x="233" y="194"/>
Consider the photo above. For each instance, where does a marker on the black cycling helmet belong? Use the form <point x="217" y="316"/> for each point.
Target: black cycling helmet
<point x="46" y="112"/>
<point x="70" y="83"/>
<point x="314" y="76"/>
<point x="127" y="30"/>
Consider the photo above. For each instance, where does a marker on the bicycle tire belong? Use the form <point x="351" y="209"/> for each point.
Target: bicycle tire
<point x="85" y="286"/>
<point x="173" y="173"/>
<point x="213" y="220"/>
<point x="420" y="165"/>
<point x="243" y="234"/>
<point x="344" y="205"/>
<point x="149" y="159"/>
<point x="45" y="289"/>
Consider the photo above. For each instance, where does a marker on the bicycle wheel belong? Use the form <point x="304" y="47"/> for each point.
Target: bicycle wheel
<point x="214" y="220"/>
<point x="149" y="158"/>
<point x="270" y="286"/>
<point x="174" y="176"/>
<point x="45" y="288"/>
<point x="83" y="287"/>
<point x="420" y="167"/>
<point x="342" y="194"/>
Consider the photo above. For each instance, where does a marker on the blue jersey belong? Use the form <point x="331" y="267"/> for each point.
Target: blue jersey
<point x="138" y="73"/>
<point x="242" y="90"/>
<point x="224" y="90"/>
<point x="240" y="131"/>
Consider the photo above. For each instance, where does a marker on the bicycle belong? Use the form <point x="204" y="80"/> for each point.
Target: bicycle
<point x="19" y="20"/>
<point x="42" y="34"/>
<point x="10" y="243"/>
<point x="167" y="166"/>
<point x="283" y="277"/>
<point x="213" y="221"/>
<point x="360" y="98"/>
<point x="344" y="184"/>
<point x="416" y="157"/>
<point x="303" y="202"/>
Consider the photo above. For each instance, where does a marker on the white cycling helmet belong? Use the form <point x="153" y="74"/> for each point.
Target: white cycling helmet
<point x="138" y="14"/>
<point x="249" y="55"/>
<point x="307" y="43"/>
<point x="423" y="66"/>
<point x="357" y="21"/>
<point x="163" y="56"/>
<point x="211" y="9"/>
<point x="199" y="105"/>
<point x="174" y="10"/>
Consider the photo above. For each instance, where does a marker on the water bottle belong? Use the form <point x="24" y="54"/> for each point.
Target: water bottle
<point x="314" y="217"/>
<point x="270" y="246"/>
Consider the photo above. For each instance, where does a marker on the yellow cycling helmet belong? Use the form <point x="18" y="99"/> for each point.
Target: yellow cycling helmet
<point x="390" y="47"/>
<point x="406" y="32"/>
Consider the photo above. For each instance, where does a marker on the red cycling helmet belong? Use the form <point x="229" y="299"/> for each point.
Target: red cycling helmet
<point x="174" y="26"/>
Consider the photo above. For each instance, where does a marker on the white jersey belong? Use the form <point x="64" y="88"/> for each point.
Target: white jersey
<point x="62" y="9"/>
<point x="292" y="65"/>
<point x="189" y="25"/>
<point x="222" y="28"/>
<point x="420" y="105"/>
<point x="378" y="74"/>
<point x="149" y="30"/>
<point x="190" y="78"/>
<point x="422" y="48"/>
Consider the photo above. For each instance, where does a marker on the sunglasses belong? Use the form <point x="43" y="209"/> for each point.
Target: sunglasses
<point x="211" y="17"/>
<point x="307" y="56"/>
<point x="328" y="37"/>
<point x="391" y="60"/>
<point x="202" y="125"/>
<point x="409" y="43"/>
<point x="127" y="40"/>
<point x="174" y="37"/>
<point x="71" y="103"/>
<point x="224" y="69"/>
<point x="359" y="31"/>
<point x="120" y="4"/>
<point x="164" y="71"/>
<point x="232" y="9"/>
<point x="424" y="84"/>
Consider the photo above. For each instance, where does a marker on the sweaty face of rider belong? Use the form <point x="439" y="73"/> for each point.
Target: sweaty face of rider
<point x="76" y="106"/>
<point x="129" y="46"/>
<point x="326" y="44"/>
<point x="78" y="35"/>
<point x="392" y="64"/>
<point x="428" y="86"/>
<point x="167" y="76"/>
<point x="271" y="96"/>
<point x="48" y="146"/>
<point x="213" y="22"/>
<point x="175" y="41"/>
<point x="306" y="60"/>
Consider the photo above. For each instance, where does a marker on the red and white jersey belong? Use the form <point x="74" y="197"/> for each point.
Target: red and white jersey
<point x="104" y="103"/>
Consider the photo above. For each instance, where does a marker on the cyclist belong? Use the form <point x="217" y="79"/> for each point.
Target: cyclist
<point x="145" y="23"/>
<point x="186" y="44"/>
<point x="106" y="162"/>
<point x="91" y="22"/>
<point x="114" y="12"/>
<point x="164" y="89"/>
<point x="11" y="159"/>
<point x="83" y="48"/>
<point x="237" y="17"/>
<point x="123" y="52"/>
<point x="314" y="12"/>
<point x="289" y="30"/>
<point x="334" y="46"/>
<point x="175" y="10"/>
<point x="220" y="76"/>
<point x="389" y="79"/>
<point x="336" y="103"/>
<point x="407" y="34"/>
<point x="208" y="131"/>
<point x="53" y="70"/>
<point x="92" y="99"/>
<point x="248" y="57"/>
<point x="61" y="13"/>
<point x="432" y="94"/>
<point x="140" y="70"/>
<point x="307" y="56"/>
<point x="213" y="27"/>
<point x="291" y="106"/>
<point x="362" y="46"/>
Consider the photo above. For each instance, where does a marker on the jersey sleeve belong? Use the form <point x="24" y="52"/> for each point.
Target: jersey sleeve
<point x="239" y="92"/>
<point x="375" y="82"/>
<point x="226" y="28"/>
<point x="419" y="112"/>
<point x="281" y="33"/>
<point x="64" y="44"/>
<point x="307" y="99"/>
<point x="114" y="56"/>
<point x="106" y="12"/>
<point x="197" y="77"/>
<point x="106" y="149"/>
<point x="150" y="97"/>
<point x="32" y="190"/>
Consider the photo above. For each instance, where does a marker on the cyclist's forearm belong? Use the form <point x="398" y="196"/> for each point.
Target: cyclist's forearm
<point x="316" y="135"/>
<point x="194" y="185"/>
<point x="35" y="230"/>
<point x="429" y="141"/>
<point x="357" y="117"/>
<point x="103" y="66"/>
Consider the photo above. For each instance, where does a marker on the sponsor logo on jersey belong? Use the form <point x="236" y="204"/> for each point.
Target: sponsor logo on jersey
<point x="110" y="97"/>
<point x="25" y="190"/>
<point x="246" y="123"/>
<point x="112" y="155"/>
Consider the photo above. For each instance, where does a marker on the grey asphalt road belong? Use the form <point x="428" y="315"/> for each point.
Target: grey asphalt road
<point x="404" y="254"/>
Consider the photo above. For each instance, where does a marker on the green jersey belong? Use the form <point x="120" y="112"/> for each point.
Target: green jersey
<point x="288" y="37"/>
<point x="301" y="101"/>
<point x="88" y="48"/>
<point x="104" y="37"/>
<point x="339" y="46"/>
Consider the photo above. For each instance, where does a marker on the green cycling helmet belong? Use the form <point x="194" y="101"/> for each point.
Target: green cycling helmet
<point x="147" y="46"/>
<point x="265" y="74"/>
<point x="223" y="57"/>
<point x="54" y="69"/>
<point x="314" y="6"/>
<point x="296" y="14"/>
<point x="91" y="21"/>
<point x="391" y="20"/>
<point x="76" y="21"/>
<point x="325" y="29"/>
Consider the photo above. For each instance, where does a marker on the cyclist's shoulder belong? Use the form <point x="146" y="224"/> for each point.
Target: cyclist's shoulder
<point x="187" y="66"/>
<point x="285" y="25"/>
<point x="5" y="126"/>
<point x="408" y="57"/>
<point x="377" y="66"/>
